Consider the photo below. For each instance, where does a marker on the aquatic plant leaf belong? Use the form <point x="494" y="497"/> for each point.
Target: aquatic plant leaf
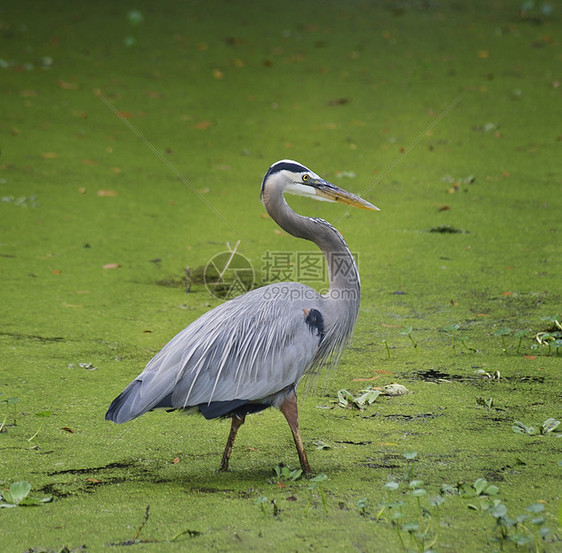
<point x="411" y="526"/>
<point x="19" y="491"/>
<point x="521" y="428"/>
<point x="520" y="539"/>
<point x="535" y="508"/>
<point x="549" y="425"/>
<point x="498" y="511"/>
<point x="436" y="500"/>
<point x="479" y="485"/>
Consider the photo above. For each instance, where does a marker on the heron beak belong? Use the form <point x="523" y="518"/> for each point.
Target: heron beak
<point x="333" y="193"/>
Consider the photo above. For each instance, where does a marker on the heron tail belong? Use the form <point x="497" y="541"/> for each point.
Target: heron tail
<point x="122" y="407"/>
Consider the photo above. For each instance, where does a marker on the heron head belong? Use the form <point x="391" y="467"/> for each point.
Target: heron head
<point x="294" y="178"/>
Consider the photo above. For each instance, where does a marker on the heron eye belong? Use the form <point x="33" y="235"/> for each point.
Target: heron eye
<point x="304" y="178"/>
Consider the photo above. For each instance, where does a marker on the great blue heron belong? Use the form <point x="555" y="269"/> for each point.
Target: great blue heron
<point x="249" y="353"/>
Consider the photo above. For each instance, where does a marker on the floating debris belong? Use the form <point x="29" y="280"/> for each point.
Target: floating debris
<point x="394" y="390"/>
<point x="487" y="376"/>
<point x="87" y="366"/>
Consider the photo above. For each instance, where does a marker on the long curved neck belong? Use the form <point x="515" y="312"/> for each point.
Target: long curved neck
<point x="342" y="269"/>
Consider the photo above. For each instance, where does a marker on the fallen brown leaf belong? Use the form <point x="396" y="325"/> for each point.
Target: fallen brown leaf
<point x="108" y="193"/>
<point x="111" y="266"/>
<point x="66" y="85"/>
<point x="49" y="155"/>
<point x="203" y="125"/>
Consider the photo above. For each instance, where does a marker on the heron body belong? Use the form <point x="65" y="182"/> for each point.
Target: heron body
<point x="250" y="353"/>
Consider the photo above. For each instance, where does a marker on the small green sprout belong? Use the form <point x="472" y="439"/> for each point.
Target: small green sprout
<point x="408" y="332"/>
<point x="422" y="533"/>
<point x="284" y="473"/>
<point x="316" y="484"/>
<point x="10" y="404"/>
<point x="487" y="403"/>
<point x="362" y="505"/>
<point x="42" y="414"/>
<point x="520" y="334"/>
<point x="261" y="501"/>
<point x="452" y="331"/>
<point x="479" y="488"/>
<point x="503" y="332"/>
<point x="523" y="529"/>
<point x="410" y="456"/>
<point x="387" y="348"/>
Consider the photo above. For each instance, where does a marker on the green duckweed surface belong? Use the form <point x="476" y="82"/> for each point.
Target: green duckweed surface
<point x="134" y="138"/>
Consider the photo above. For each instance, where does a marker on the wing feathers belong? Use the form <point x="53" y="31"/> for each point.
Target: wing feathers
<point x="245" y="349"/>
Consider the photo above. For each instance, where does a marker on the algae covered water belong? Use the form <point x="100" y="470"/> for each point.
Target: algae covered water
<point x="134" y="141"/>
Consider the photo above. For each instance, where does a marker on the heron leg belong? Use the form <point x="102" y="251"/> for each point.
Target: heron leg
<point x="236" y="423"/>
<point x="289" y="409"/>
